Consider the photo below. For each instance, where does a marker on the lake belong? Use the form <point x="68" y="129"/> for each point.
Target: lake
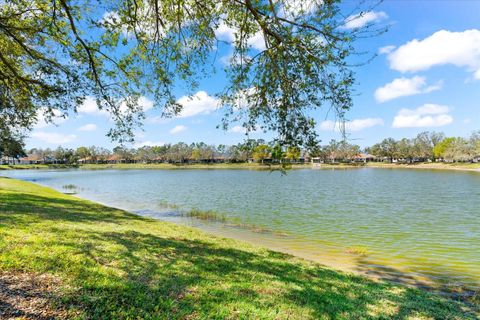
<point x="415" y="226"/>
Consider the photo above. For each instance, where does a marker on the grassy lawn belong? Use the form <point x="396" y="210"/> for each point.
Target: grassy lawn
<point x="34" y="166"/>
<point x="168" y="166"/>
<point x="110" y="264"/>
<point x="433" y="165"/>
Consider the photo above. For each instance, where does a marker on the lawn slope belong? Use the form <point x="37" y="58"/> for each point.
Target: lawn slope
<point x="110" y="264"/>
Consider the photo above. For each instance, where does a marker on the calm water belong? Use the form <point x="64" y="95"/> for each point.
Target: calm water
<point x="408" y="225"/>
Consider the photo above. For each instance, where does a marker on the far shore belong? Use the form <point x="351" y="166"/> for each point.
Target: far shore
<point x="250" y="166"/>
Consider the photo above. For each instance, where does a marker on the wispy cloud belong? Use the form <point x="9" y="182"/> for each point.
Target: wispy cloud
<point x="148" y="143"/>
<point x="57" y="118"/>
<point x="362" y="19"/>
<point x="178" y="129"/>
<point x="402" y="87"/>
<point x="428" y="115"/>
<point x="88" y="127"/>
<point x="53" y="137"/>
<point x="199" y="103"/>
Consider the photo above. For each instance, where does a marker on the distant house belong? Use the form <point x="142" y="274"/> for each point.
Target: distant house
<point x="364" y="157"/>
<point x="32" y="159"/>
<point x="85" y="160"/>
<point x="4" y="160"/>
<point x="115" y="159"/>
<point x="159" y="160"/>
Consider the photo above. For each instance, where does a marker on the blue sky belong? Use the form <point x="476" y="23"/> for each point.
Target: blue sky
<point x="426" y="77"/>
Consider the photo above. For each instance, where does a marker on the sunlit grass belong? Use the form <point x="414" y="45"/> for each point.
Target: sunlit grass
<point x="205" y="215"/>
<point x="358" y="250"/>
<point x="115" y="265"/>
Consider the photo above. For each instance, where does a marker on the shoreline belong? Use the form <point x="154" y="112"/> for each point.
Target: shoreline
<point x="471" y="167"/>
<point x="272" y="240"/>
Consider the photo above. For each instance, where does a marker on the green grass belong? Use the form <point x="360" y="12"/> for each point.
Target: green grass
<point x="206" y="215"/>
<point x="211" y="215"/>
<point x="432" y="165"/>
<point x="36" y="166"/>
<point x="358" y="250"/>
<point x="116" y="265"/>
<point x="206" y="166"/>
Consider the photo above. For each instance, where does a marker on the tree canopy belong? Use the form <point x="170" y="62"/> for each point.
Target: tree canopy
<point x="56" y="53"/>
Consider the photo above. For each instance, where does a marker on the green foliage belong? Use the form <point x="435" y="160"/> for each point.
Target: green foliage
<point x="116" y="265"/>
<point x="475" y="142"/>
<point x="53" y="54"/>
<point x="338" y="150"/>
<point x="277" y="152"/>
<point x="293" y="153"/>
<point x="83" y="152"/>
<point x="11" y="146"/>
<point x="261" y="152"/>
<point x="458" y="150"/>
<point x="387" y="148"/>
<point x="406" y="149"/>
<point x="440" y="149"/>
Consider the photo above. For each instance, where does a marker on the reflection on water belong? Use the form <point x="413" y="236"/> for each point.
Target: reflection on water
<point x="419" y="227"/>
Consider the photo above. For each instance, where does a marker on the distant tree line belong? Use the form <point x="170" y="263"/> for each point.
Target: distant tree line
<point x="426" y="146"/>
<point x="429" y="146"/>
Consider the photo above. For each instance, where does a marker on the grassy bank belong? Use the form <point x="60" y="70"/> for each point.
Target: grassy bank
<point x="429" y="166"/>
<point x="36" y="166"/>
<point x="97" y="262"/>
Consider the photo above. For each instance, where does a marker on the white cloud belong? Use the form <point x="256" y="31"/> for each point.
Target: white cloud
<point x="386" y="49"/>
<point x="428" y="115"/>
<point x="88" y="127"/>
<point x="362" y="19"/>
<point x="402" y="87"/>
<point x="228" y="34"/>
<point x="257" y="41"/>
<point x="225" y="32"/>
<point x="238" y="129"/>
<point x="476" y="75"/>
<point x="89" y="106"/>
<point x="461" y="49"/>
<point x="199" y="103"/>
<point x="158" y="120"/>
<point x="241" y="129"/>
<point x="42" y="121"/>
<point x="148" y="143"/>
<point x="354" y="125"/>
<point x="244" y="98"/>
<point x="111" y="19"/>
<point x="178" y="129"/>
<point x="145" y="103"/>
<point x="54" y="138"/>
